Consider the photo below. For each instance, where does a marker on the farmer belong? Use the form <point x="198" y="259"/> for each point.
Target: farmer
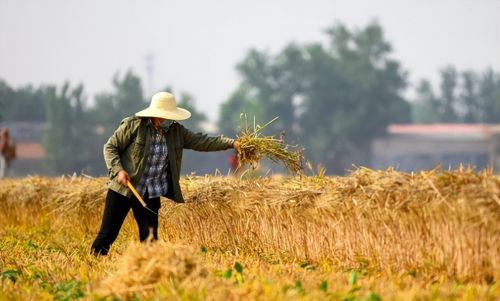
<point x="7" y="151"/>
<point x="147" y="151"/>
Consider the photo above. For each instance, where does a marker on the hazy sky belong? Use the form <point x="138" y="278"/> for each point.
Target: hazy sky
<point x="196" y="44"/>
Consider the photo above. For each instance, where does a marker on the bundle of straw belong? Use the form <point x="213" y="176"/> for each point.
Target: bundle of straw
<point x="254" y="146"/>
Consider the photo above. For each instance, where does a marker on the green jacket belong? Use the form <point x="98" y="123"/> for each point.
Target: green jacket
<point x="128" y="149"/>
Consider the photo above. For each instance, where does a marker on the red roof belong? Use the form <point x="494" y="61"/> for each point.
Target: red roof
<point x="30" y="151"/>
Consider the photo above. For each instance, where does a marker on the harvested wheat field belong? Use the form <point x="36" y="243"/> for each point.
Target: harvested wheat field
<point x="371" y="235"/>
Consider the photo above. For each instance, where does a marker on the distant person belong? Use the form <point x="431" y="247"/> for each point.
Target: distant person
<point x="233" y="163"/>
<point x="147" y="151"/>
<point x="7" y="152"/>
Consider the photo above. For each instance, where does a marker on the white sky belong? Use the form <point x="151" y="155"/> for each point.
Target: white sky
<point x="196" y="44"/>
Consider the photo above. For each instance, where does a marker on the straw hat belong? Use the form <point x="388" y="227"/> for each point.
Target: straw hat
<point x="163" y="105"/>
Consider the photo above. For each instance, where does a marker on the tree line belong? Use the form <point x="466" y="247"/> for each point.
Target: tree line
<point x="332" y="98"/>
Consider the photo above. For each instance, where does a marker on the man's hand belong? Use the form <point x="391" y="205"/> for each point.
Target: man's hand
<point x="123" y="177"/>
<point x="236" y="145"/>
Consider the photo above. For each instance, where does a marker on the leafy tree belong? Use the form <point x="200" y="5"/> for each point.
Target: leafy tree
<point x="333" y="99"/>
<point x="270" y="85"/>
<point x="488" y="94"/>
<point x="56" y="138"/>
<point x="70" y="140"/>
<point x="448" y="102"/>
<point x="355" y="88"/>
<point x="125" y="100"/>
<point x="23" y="104"/>
<point x="467" y="97"/>
<point x="67" y="132"/>
<point x="470" y="104"/>
<point x="229" y="113"/>
<point x="128" y="94"/>
<point x="425" y="106"/>
<point x="6" y="94"/>
<point x="109" y="109"/>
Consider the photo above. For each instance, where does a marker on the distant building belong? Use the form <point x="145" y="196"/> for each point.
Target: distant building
<point x="29" y="149"/>
<point x="415" y="147"/>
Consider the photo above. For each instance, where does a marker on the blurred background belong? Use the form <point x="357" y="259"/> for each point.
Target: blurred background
<point x="409" y="84"/>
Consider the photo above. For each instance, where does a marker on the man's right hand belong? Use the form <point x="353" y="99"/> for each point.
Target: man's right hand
<point x="123" y="177"/>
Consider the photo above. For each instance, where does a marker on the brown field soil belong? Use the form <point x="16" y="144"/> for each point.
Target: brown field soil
<point x="371" y="235"/>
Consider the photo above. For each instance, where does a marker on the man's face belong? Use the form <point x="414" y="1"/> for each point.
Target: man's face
<point x="157" y="121"/>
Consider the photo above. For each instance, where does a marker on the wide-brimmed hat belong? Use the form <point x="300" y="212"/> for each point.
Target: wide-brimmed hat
<point x="163" y="105"/>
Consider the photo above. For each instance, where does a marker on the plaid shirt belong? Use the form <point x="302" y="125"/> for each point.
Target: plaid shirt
<point x="154" y="180"/>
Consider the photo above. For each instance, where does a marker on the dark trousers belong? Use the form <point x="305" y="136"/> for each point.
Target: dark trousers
<point x="115" y="210"/>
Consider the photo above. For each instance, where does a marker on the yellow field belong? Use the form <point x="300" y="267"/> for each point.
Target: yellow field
<point x="372" y="235"/>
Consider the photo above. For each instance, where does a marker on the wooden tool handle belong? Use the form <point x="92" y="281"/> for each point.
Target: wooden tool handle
<point x="131" y="187"/>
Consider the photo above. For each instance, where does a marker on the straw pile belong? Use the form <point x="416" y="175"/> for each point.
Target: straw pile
<point x="143" y="267"/>
<point x="446" y="221"/>
<point x="431" y="223"/>
<point x="254" y="146"/>
<point x="62" y="195"/>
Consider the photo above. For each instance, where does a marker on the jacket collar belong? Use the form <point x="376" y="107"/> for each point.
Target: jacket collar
<point x="165" y="125"/>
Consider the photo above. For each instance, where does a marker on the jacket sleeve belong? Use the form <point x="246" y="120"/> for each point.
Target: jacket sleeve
<point x="116" y="144"/>
<point x="204" y="143"/>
